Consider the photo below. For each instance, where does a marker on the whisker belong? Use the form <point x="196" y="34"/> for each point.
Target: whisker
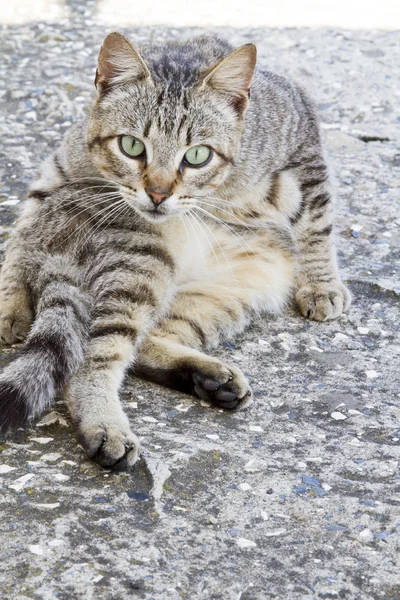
<point x="205" y="236"/>
<point x="226" y="225"/>
<point x="181" y="216"/>
<point x="115" y="211"/>
<point x="87" y="221"/>
<point x="78" y="203"/>
<point x="108" y="198"/>
<point x="245" y="225"/>
<point x="89" y="187"/>
<point x="219" y="245"/>
<point x="193" y="229"/>
<point x="93" y="179"/>
<point x="228" y="202"/>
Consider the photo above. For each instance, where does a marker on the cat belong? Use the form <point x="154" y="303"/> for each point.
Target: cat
<point x="194" y="197"/>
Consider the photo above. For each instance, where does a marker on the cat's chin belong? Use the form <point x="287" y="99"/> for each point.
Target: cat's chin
<point x="154" y="216"/>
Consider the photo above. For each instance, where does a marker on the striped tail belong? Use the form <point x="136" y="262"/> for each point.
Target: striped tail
<point x="54" y="349"/>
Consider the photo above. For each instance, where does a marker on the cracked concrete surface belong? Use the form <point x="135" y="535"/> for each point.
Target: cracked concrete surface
<point x="297" y="497"/>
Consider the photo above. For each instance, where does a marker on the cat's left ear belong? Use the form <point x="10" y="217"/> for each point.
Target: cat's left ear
<point x="119" y="62"/>
<point x="233" y="75"/>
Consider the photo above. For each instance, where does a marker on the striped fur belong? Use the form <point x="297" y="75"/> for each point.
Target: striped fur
<point x="111" y="280"/>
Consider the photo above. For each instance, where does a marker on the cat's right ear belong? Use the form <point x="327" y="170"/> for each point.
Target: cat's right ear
<point x="119" y="62"/>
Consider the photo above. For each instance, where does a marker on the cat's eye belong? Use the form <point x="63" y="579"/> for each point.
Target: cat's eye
<point x="131" y="146"/>
<point x="198" y="156"/>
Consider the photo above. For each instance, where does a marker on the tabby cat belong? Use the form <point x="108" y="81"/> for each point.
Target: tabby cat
<point x="177" y="212"/>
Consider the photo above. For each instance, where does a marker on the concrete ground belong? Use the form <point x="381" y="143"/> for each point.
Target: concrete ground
<point x="297" y="497"/>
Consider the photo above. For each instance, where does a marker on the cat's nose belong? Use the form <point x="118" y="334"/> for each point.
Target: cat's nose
<point x="158" y="196"/>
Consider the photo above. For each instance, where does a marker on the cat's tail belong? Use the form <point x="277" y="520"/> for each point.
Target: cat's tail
<point x="54" y="348"/>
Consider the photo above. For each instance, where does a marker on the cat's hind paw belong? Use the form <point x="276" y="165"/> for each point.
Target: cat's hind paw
<point x="222" y="386"/>
<point x="323" y="301"/>
<point x="16" y="318"/>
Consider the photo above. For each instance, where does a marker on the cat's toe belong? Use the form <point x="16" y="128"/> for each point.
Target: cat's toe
<point x="228" y="389"/>
<point x="110" y="447"/>
<point x="323" y="301"/>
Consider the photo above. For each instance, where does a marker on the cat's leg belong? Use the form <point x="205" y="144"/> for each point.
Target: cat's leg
<point x="321" y="295"/>
<point x="92" y="396"/>
<point x="165" y="358"/>
<point x="129" y="293"/>
<point x="205" y="313"/>
<point x="16" y="313"/>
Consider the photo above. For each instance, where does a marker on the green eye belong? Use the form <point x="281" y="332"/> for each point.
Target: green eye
<point x="197" y="156"/>
<point x="131" y="146"/>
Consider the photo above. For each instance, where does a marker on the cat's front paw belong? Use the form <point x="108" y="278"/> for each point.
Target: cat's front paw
<point x="15" y="317"/>
<point x="323" y="301"/>
<point x="112" y="446"/>
<point x="222" y="385"/>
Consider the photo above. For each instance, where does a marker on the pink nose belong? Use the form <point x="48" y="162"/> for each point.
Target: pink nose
<point x="157" y="197"/>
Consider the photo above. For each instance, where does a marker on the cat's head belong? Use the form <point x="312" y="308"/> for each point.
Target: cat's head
<point x="167" y="129"/>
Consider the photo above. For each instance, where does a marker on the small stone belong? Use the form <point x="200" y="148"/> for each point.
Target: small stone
<point x="19" y="483"/>
<point x="212" y="436"/>
<point x="61" y="477"/>
<point x="6" y="469"/>
<point x="36" y="549"/>
<point x="363" y="330"/>
<point x="383" y="534"/>
<point x="371" y="374"/>
<point x="338" y="416"/>
<point x="310" y="480"/>
<point x="46" y="506"/>
<point x="244" y="543"/>
<point x="137" y="584"/>
<point x="51" y="419"/>
<point x="42" y="440"/>
<point x="275" y="532"/>
<point x="366" y="535"/>
<point x="355" y="442"/>
<point x="55" y="543"/>
<point x="256" y="428"/>
<point x="337" y="528"/>
<point x="51" y="457"/>
<point x="340" y="338"/>
<point x="10" y="203"/>
<point x="205" y="403"/>
<point x="244" y="486"/>
<point x="138" y="496"/>
<point x="149" y="419"/>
